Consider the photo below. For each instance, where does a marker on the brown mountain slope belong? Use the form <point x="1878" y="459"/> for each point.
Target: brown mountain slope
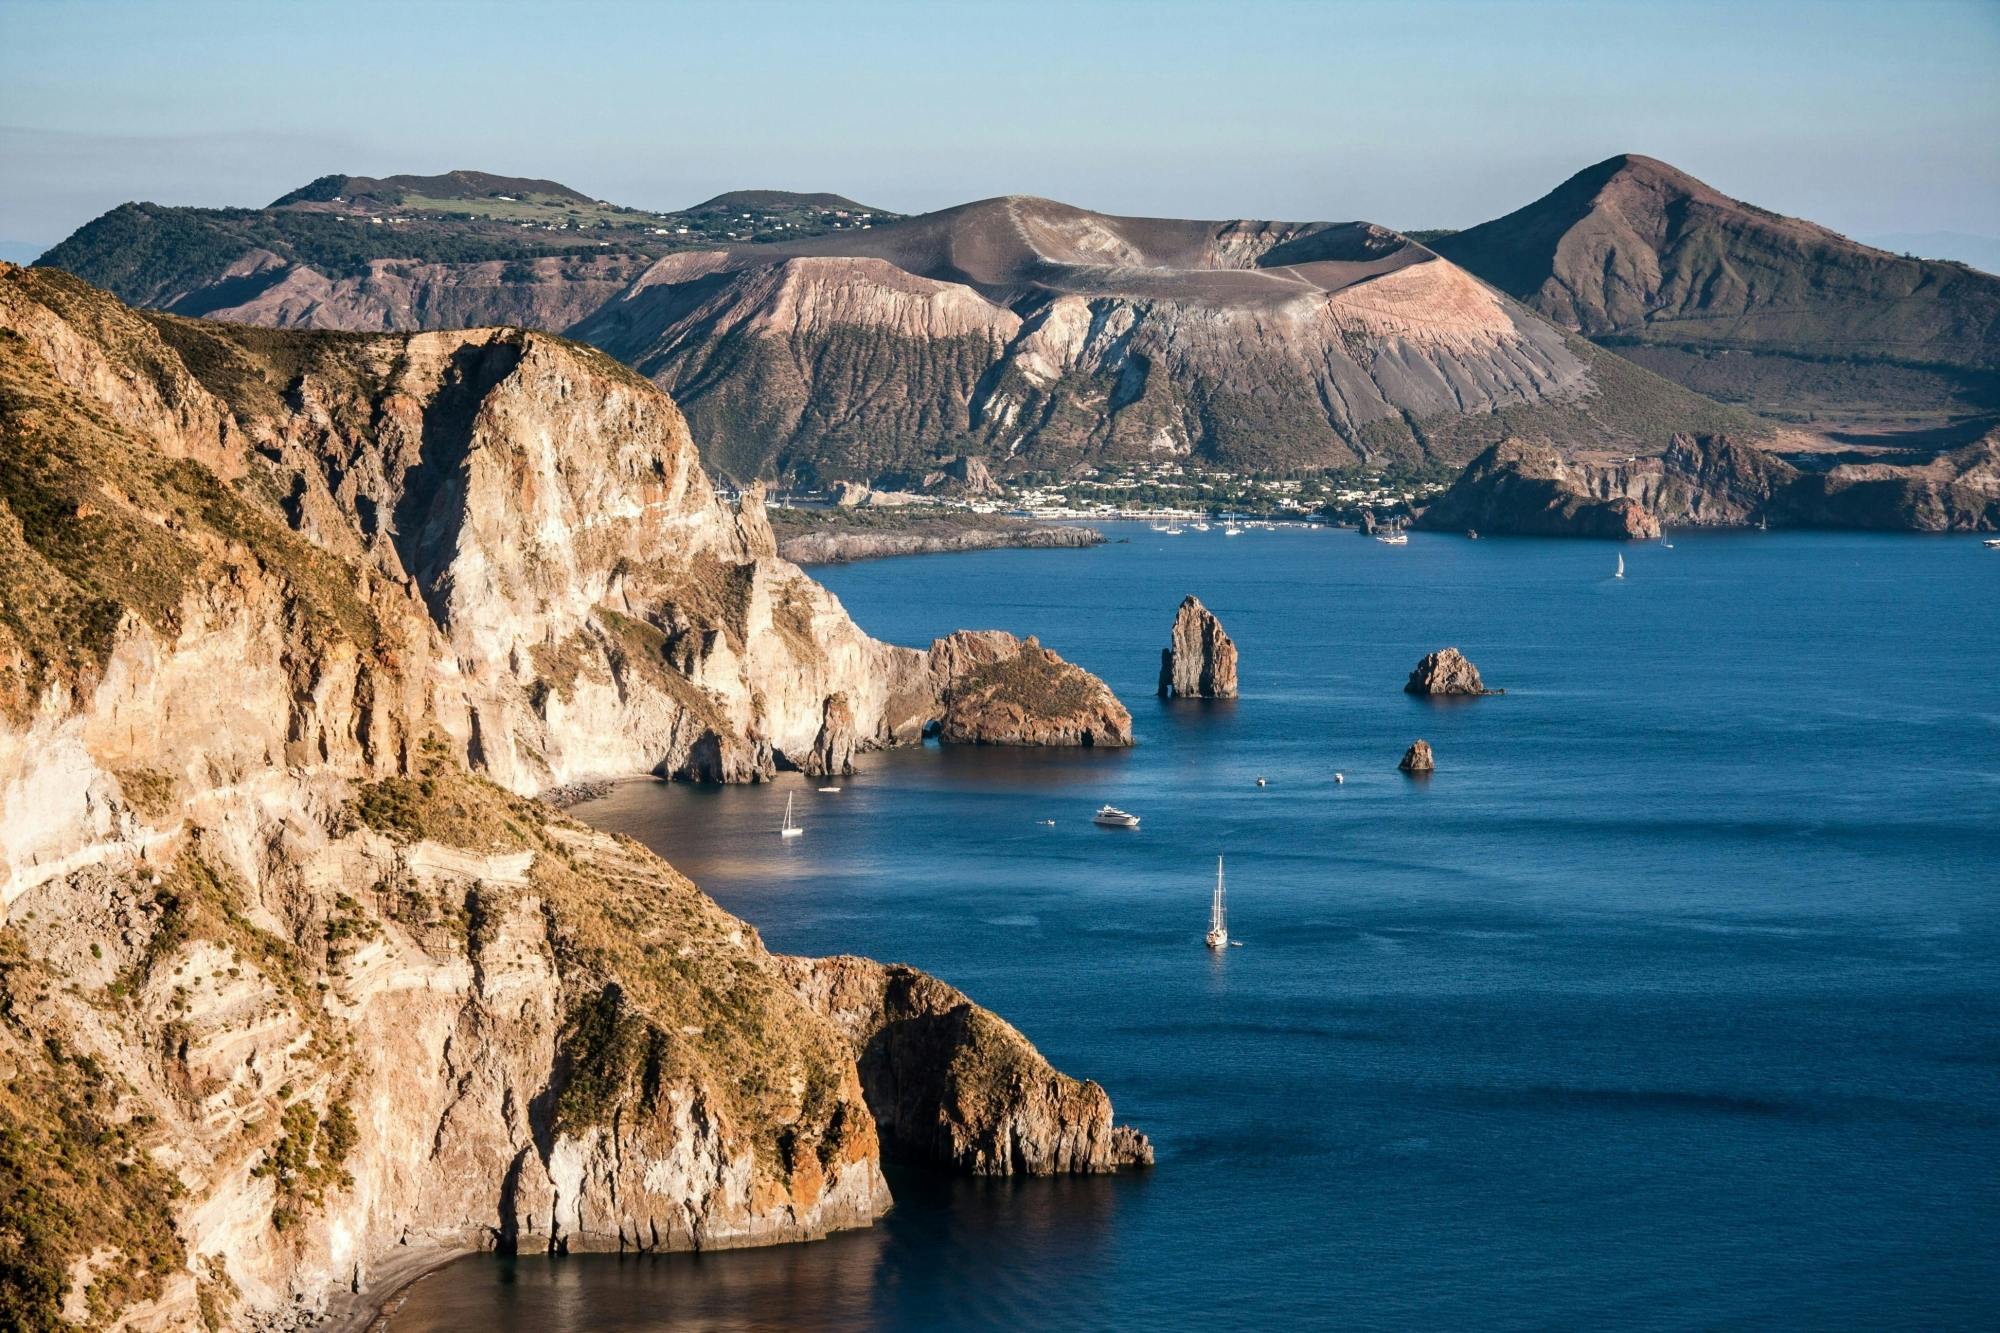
<point x="1740" y="302"/>
<point x="1024" y="331"/>
<point x="1038" y="334"/>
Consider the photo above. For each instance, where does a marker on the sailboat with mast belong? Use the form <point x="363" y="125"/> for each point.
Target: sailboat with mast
<point x="1218" y="914"/>
<point x="1621" y="567"/>
<point x="789" y="829"/>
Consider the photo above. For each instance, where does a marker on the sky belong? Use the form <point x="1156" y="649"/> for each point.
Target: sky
<point x="1871" y="118"/>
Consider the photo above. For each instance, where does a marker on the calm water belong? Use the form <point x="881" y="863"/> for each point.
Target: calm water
<point x="1672" y="1000"/>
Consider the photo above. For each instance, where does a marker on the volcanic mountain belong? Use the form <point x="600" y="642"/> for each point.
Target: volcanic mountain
<point x="1040" y="335"/>
<point x="1742" y="303"/>
<point x="1026" y="331"/>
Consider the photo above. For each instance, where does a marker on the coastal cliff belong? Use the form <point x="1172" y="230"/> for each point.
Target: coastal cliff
<point x="1000" y="690"/>
<point x="950" y="1083"/>
<point x="1704" y="481"/>
<point x="299" y="992"/>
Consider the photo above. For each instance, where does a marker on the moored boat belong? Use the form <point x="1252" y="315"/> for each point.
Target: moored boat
<point x="1112" y="817"/>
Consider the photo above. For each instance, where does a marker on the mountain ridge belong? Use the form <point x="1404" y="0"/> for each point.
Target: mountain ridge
<point x="1664" y="268"/>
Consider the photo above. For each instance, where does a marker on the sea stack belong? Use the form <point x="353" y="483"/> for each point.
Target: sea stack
<point x="1446" y="672"/>
<point x="1417" y="759"/>
<point x="1200" y="660"/>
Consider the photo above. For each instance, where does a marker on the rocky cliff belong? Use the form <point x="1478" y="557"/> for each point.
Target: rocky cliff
<point x="1199" y="661"/>
<point x="1706" y="481"/>
<point x="297" y="990"/>
<point x="1534" y="490"/>
<point x="950" y="1083"/>
<point x="1000" y="690"/>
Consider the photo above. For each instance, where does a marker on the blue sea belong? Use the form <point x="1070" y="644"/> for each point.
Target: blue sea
<point x="1671" y="1001"/>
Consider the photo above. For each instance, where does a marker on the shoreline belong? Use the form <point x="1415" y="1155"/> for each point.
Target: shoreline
<point x="372" y="1309"/>
<point x="836" y="537"/>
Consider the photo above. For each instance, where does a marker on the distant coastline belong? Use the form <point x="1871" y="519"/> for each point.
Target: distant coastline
<point x="840" y="536"/>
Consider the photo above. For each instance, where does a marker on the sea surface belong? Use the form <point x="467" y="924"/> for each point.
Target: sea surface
<point x="1671" y="1001"/>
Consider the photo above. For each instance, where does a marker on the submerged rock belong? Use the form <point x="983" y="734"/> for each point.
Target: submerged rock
<point x="1199" y="662"/>
<point x="1446" y="672"/>
<point x="1418" y="758"/>
<point x="951" y="1083"/>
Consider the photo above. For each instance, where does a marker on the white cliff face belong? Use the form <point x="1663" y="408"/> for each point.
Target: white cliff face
<point x="434" y="1014"/>
<point x="297" y="1004"/>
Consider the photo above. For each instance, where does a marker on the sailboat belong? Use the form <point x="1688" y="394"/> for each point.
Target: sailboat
<point x="1229" y="528"/>
<point x="1621" y="566"/>
<point x="789" y="829"/>
<point x="1218" y="914"/>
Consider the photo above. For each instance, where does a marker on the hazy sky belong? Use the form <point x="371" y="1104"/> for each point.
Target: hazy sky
<point x="1868" y="117"/>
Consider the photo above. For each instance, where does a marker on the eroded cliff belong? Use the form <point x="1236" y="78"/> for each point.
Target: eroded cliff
<point x="298" y="990"/>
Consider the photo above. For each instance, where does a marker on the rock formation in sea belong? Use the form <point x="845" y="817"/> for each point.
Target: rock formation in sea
<point x="1000" y="690"/>
<point x="302" y="991"/>
<point x="950" y="1083"/>
<point x="1418" y="758"/>
<point x="1446" y="672"/>
<point x="1199" y="661"/>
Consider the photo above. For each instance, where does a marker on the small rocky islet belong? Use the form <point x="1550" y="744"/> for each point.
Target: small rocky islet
<point x="1447" y="673"/>
<point x="1199" y="661"/>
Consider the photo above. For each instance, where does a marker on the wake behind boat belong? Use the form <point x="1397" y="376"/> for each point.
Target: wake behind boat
<point x="1218" y="914"/>
<point x="1110" y="816"/>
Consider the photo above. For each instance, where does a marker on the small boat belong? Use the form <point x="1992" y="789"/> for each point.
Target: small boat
<point x="1993" y="543"/>
<point x="1112" y="817"/>
<point x="1393" y="537"/>
<point x="1621" y="567"/>
<point x="1471" y="536"/>
<point x="1339" y="778"/>
<point x="789" y="829"/>
<point x="829" y="789"/>
<point x="1260" y="782"/>
<point x="1218" y="914"/>
<point x="1201" y="527"/>
<point x="1046" y="823"/>
<point x="1173" y="532"/>
<point x="1664" y="542"/>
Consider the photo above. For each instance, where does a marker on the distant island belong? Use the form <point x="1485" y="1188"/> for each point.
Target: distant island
<point x="1635" y="348"/>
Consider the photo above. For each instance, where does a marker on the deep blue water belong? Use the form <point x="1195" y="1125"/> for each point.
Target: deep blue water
<point x="1672" y="1001"/>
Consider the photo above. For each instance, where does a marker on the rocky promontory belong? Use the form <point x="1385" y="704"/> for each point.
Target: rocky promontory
<point x="1534" y="490"/>
<point x="1199" y="661"/>
<point x="837" y="536"/>
<point x="1718" y="481"/>
<point x="1446" y="672"/>
<point x="1000" y="690"/>
<point x="301" y="991"/>
<point x="1418" y="758"/>
<point x="950" y="1083"/>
